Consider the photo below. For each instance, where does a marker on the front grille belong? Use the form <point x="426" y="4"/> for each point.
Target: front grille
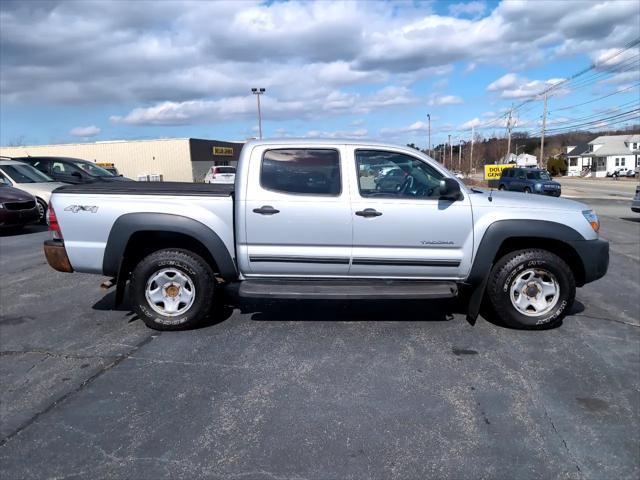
<point x="28" y="205"/>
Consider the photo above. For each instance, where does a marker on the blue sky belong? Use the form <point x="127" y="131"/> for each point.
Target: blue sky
<point x="91" y="71"/>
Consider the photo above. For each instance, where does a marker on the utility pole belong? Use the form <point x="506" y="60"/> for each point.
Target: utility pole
<point x="450" y="153"/>
<point x="509" y="134"/>
<point x="459" y="153"/>
<point x="257" y="92"/>
<point x="429" y="119"/>
<point x="544" y="127"/>
<point x="471" y="156"/>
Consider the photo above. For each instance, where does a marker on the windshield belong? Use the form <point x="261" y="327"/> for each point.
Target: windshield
<point x="25" y="174"/>
<point x="225" y="169"/>
<point x="538" y="176"/>
<point x="92" y="169"/>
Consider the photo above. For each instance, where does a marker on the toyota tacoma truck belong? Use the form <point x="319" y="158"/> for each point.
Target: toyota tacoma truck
<point x="307" y="219"/>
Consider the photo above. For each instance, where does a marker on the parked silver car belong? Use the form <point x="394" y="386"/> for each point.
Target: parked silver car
<point x="27" y="178"/>
<point x="635" y="203"/>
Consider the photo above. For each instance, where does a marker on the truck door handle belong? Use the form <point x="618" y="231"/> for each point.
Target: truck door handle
<point x="368" y="212"/>
<point x="266" y="210"/>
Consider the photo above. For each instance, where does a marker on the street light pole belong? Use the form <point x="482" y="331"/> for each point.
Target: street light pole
<point x="257" y="92"/>
<point x="471" y="156"/>
<point x="429" y="119"/>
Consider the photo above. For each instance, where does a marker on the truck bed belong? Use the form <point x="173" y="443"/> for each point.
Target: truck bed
<point x="150" y="188"/>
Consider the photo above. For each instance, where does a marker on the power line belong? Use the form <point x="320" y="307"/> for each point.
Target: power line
<point x="568" y="107"/>
<point x="593" y="115"/>
<point x="625" y="65"/>
<point x="630" y="114"/>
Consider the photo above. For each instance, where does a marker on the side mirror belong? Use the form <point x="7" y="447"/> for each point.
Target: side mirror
<point x="450" y="189"/>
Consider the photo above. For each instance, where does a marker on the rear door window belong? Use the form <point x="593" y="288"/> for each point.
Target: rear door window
<point x="310" y="171"/>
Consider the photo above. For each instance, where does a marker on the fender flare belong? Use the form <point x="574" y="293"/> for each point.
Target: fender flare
<point x="128" y="224"/>
<point x="502" y="230"/>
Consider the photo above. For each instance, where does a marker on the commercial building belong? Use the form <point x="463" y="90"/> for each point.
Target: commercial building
<point x="170" y="159"/>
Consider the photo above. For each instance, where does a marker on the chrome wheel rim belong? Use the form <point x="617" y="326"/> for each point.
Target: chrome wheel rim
<point x="170" y="292"/>
<point x="534" y="292"/>
<point x="40" y="210"/>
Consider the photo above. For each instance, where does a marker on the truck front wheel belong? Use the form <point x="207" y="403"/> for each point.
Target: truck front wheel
<point x="172" y="289"/>
<point x="531" y="289"/>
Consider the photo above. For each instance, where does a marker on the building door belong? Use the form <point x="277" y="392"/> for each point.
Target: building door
<point x="401" y="228"/>
<point x="297" y="213"/>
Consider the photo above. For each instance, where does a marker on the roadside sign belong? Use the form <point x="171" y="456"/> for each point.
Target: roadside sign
<point x="493" y="172"/>
<point x="223" y="151"/>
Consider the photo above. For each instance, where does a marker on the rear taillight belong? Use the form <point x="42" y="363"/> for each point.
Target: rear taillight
<point x="52" y="220"/>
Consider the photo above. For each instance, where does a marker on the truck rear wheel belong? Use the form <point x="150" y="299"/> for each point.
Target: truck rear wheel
<point x="172" y="289"/>
<point x="531" y="289"/>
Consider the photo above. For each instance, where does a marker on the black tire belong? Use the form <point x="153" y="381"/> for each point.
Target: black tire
<point x="509" y="269"/>
<point x="526" y="190"/>
<point x="502" y="187"/>
<point x="42" y="210"/>
<point x="201" y="283"/>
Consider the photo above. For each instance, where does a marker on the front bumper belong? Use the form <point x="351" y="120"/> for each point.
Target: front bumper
<point x="595" y="258"/>
<point x="57" y="256"/>
<point x="13" y="218"/>
<point x="551" y="193"/>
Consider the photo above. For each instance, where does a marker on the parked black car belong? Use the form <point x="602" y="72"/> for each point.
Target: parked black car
<point x="529" y="180"/>
<point x="17" y="208"/>
<point x="71" y="170"/>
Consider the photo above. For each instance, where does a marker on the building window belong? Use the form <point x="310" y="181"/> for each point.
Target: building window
<point x="622" y="162"/>
<point x="573" y="162"/>
<point x="617" y="162"/>
<point x="301" y="171"/>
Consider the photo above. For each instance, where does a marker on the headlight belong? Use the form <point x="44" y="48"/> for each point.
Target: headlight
<point x="538" y="186"/>
<point x="1" y="205"/>
<point x="592" y="218"/>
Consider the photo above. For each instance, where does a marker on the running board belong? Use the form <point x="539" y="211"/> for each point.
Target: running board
<point x="346" y="289"/>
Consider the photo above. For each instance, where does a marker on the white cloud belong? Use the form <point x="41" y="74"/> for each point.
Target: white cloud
<point x="506" y="81"/>
<point x="441" y="100"/>
<point x="82" y="52"/>
<point x="514" y="86"/>
<point x="321" y="104"/>
<point x="359" y="133"/>
<point x="470" y="8"/>
<point x="476" y="122"/>
<point x="90" y="131"/>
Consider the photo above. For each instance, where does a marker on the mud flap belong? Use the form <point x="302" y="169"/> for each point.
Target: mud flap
<point x="475" y="300"/>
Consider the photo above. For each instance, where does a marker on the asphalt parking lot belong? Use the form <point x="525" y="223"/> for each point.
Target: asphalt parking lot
<point x="317" y="390"/>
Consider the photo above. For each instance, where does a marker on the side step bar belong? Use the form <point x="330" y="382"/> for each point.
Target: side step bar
<point x="346" y="289"/>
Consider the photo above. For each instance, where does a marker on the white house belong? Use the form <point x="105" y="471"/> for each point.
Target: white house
<point x="526" y="160"/>
<point x="605" y="154"/>
<point x="522" y="160"/>
<point x="578" y="162"/>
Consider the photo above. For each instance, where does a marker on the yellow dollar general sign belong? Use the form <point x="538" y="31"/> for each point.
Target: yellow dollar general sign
<point x="493" y="172"/>
<point x="224" y="151"/>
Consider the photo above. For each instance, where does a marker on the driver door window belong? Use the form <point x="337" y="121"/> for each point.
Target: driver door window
<point x="395" y="175"/>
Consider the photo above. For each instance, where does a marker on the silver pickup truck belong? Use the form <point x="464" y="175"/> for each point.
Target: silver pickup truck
<point x="328" y="219"/>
